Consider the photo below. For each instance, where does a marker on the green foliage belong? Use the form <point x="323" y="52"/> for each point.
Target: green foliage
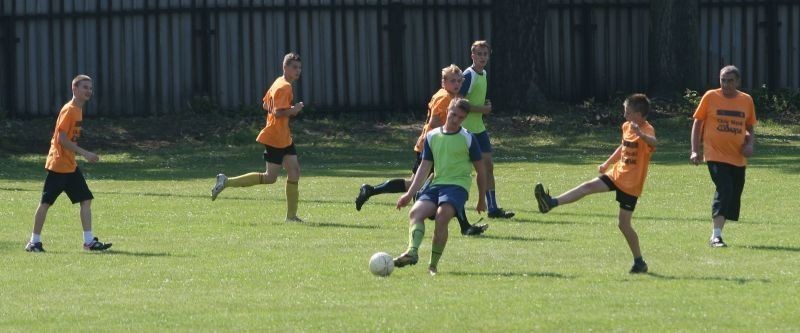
<point x="782" y="104"/>
<point x="202" y="105"/>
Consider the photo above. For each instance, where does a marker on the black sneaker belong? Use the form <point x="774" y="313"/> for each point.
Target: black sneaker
<point x="406" y="259"/>
<point x="34" y="247"/>
<point x="432" y="270"/>
<point x="500" y="213"/>
<point x="716" y="242"/>
<point x="363" y="195"/>
<point x="96" y="245"/>
<point x="476" y="229"/>
<point x="543" y="198"/>
<point x="639" y="268"/>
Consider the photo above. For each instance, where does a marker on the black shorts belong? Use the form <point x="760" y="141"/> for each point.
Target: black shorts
<point x="729" y="182"/>
<point x="275" y="155"/>
<point x="73" y="183"/>
<point x="626" y="201"/>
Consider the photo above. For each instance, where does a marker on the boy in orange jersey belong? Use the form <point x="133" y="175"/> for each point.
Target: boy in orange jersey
<point x="63" y="174"/>
<point x="277" y="139"/>
<point x="436" y="117"/>
<point x="627" y="175"/>
<point x="725" y="120"/>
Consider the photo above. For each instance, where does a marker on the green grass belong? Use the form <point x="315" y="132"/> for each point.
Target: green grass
<point x="183" y="263"/>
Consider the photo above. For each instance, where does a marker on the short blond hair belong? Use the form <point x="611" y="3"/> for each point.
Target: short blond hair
<point x="289" y="57"/>
<point x="80" y="78"/>
<point x="459" y="103"/>
<point x="452" y="69"/>
<point x="480" y="43"/>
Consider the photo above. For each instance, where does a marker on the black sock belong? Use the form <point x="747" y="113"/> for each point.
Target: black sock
<point x="462" y="220"/>
<point x="391" y="186"/>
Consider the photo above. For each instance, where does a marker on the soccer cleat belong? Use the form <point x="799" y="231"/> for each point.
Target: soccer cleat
<point x="363" y="195"/>
<point x="543" y="198"/>
<point x="432" y="270"/>
<point x="716" y="242"/>
<point x="34" y="247"/>
<point x="293" y="219"/>
<point x="476" y="229"/>
<point x="96" y="245"/>
<point x="218" y="187"/>
<point x="406" y="259"/>
<point x="639" y="268"/>
<point x="500" y="213"/>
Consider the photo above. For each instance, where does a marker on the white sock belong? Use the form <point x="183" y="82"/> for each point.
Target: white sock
<point x="717" y="232"/>
<point x="87" y="237"/>
<point x="35" y="238"/>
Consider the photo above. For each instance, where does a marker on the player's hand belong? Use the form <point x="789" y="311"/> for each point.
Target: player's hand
<point x="481" y="206"/>
<point x="636" y="129"/>
<point x="747" y="149"/>
<point x="404" y="200"/>
<point x="91" y="157"/>
<point x="488" y="106"/>
<point x="602" y="168"/>
<point x="694" y="158"/>
<point x="298" y="107"/>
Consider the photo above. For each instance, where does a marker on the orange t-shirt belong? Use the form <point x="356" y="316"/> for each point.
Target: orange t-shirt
<point x="629" y="173"/>
<point x="60" y="159"/>
<point x="276" y="133"/>
<point x="437" y="107"/>
<point x="725" y="122"/>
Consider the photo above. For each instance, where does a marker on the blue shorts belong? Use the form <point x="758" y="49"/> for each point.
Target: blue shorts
<point x="439" y="194"/>
<point x="484" y="142"/>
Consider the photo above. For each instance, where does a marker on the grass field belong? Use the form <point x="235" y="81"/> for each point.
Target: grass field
<point x="183" y="263"/>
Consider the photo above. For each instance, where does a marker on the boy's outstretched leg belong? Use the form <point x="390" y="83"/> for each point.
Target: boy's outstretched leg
<point x="397" y="185"/>
<point x="639" y="266"/>
<point x="546" y="202"/>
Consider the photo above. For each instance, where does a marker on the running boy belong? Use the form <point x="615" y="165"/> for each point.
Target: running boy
<point x="725" y="119"/>
<point x="474" y="89"/>
<point x="626" y="176"/>
<point x="63" y="174"/>
<point x="437" y="115"/>
<point x="277" y="140"/>
<point x="450" y="150"/>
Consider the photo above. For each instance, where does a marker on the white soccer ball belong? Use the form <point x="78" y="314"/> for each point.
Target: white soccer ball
<point x="381" y="264"/>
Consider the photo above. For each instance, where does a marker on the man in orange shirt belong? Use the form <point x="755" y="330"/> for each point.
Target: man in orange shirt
<point x="279" y="149"/>
<point x="63" y="174"/>
<point x="630" y="162"/>
<point x="724" y="119"/>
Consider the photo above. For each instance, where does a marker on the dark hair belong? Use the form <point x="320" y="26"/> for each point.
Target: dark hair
<point x="638" y="103"/>
<point x="289" y="57"/>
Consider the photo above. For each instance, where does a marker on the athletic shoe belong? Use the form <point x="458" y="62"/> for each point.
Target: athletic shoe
<point x="96" y="245"/>
<point x="218" y="187"/>
<point x="363" y="195"/>
<point x="293" y="219"/>
<point x="475" y="229"/>
<point x="500" y="213"/>
<point x="406" y="259"/>
<point x="432" y="271"/>
<point x="639" y="268"/>
<point x="716" y="242"/>
<point x="543" y="198"/>
<point x="34" y="247"/>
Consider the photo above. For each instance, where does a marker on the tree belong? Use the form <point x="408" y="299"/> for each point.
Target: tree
<point x="674" y="46"/>
<point x="517" y="60"/>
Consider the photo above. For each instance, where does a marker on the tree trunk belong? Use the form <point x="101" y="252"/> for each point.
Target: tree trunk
<point x="517" y="60"/>
<point x="674" y="47"/>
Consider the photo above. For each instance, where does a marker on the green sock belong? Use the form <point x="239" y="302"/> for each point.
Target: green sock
<point x="436" y="254"/>
<point x="415" y="234"/>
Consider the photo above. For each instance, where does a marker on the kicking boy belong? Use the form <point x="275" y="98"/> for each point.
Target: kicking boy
<point x="277" y="140"/>
<point x="725" y="119"/>
<point x="627" y="175"/>
<point x="63" y="174"/>
<point x="452" y="152"/>
<point x="437" y="115"/>
<point x="474" y="89"/>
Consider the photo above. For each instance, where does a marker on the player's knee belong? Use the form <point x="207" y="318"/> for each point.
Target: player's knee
<point x="86" y="203"/>
<point x="269" y="178"/>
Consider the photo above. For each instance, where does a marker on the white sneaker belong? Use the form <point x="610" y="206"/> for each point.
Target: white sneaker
<point x="219" y="186"/>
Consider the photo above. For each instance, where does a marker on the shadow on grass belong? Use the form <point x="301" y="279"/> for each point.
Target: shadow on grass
<point x="340" y="225"/>
<point x="738" y="280"/>
<point x="513" y="274"/>
<point x="136" y="254"/>
<point x="773" y="248"/>
<point x="521" y="239"/>
<point x="527" y="220"/>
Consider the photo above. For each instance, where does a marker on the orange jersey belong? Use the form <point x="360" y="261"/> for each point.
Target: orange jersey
<point x="437" y="107"/>
<point x="276" y="133"/>
<point x="725" y="122"/>
<point x="60" y="159"/>
<point x="629" y="173"/>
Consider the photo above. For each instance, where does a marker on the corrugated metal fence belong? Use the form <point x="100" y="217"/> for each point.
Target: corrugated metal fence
<point x="153" y="57"/>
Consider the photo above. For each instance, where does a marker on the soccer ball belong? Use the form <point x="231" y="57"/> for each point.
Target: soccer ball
<point x="381" y="264"/>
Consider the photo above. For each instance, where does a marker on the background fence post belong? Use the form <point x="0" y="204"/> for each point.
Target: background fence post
<point x="396" y="28"/>
<point x="9" y="40"/>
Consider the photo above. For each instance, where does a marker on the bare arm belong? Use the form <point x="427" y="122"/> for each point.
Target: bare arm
<point x="66" y="143"/>
<point x="649" y="139"/>
<point x="416" y="183"/>
<point x="694" y="157"/>
<point x="749" y="141"/>
<point x="434" y="122"/>
<point x="484" y="109"/>
<point x="480" y="169"/>
<point x="611" y="160"/>
<point x="289" y="112"/>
